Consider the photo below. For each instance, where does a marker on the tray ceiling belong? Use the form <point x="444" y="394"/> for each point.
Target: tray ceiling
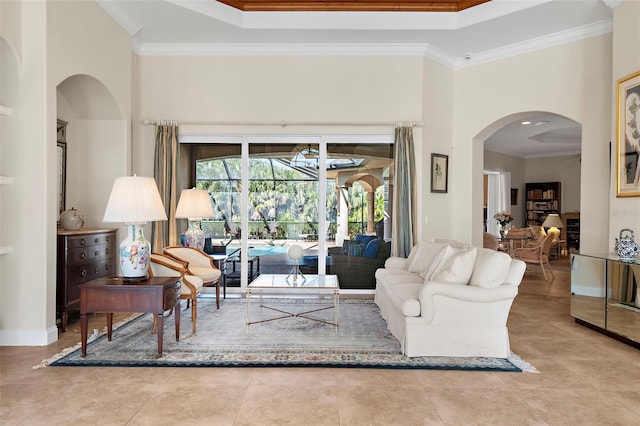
<point x="352" y="5"/>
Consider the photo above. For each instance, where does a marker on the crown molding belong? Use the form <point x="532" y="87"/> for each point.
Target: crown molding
<point x="539" y="43"/>
<point x="372" y="49"/>
<point x="284" y="49"/>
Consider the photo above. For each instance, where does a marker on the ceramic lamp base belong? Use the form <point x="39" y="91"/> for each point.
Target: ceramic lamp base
<point x="194" y="236"/>
<point x="134" y="253"/>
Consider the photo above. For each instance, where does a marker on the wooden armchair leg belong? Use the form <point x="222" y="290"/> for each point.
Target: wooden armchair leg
<point x="194" y="315"/>
<point x="218" y="294"/>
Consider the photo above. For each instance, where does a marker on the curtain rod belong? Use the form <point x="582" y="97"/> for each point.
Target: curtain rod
<point x="282" y="123"/>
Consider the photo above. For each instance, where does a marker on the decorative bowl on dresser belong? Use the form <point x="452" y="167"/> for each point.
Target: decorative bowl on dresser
<point x="83" y="255"/>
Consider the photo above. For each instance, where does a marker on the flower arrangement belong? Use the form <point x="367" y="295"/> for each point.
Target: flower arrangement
<point x="503" y="218"/>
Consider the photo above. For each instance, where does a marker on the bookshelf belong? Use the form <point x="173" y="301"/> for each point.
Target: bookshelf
<point x="542" y="198"/>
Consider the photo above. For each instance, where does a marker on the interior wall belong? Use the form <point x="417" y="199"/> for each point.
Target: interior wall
<point x="434" y="219"/>
<point x="498" y="162"/>
<point x="624" y="212"/>
<point x="486" y="93"/>
<point x="23" y="278"/>
<point x="312" y="89"/>
<point x="54" y="44"/>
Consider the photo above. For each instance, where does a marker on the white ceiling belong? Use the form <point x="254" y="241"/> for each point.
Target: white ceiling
<point x="483" y="33"/>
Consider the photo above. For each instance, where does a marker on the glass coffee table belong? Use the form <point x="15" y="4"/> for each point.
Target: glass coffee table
<point x="281" y="284"/>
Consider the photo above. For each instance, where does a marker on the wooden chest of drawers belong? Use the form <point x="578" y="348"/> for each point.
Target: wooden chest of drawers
<point x="83" y="255"/>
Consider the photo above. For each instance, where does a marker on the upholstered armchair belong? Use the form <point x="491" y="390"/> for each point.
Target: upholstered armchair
<point x="199" y="264"/>
<point x="166" y="266"/>
<point x="538" y="255"/>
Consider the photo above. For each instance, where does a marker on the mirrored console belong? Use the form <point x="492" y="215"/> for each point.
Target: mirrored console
<point x="605" y="295"/>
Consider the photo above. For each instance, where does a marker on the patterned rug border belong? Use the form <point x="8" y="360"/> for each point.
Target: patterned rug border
<point x="291" y="358"/>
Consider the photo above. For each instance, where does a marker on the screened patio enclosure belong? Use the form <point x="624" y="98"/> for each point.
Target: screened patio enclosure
<point x="316" y="193"/>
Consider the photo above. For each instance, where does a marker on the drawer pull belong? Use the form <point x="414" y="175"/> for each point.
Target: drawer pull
<point x="96" y="253"/>
<point x="97" y="271"/>
<point x="106" y="251"/>
<point x="83" y="273"/>
<point x="96" y="241"/>
<point x="106" y="267"/>
<point x="82" y="241"/>
<point x="83" y="255"/>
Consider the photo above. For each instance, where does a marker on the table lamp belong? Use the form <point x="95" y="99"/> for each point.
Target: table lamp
<point x="553" y="222"/>
<point x="134" y="200"/>
<point x="194" y="205"/>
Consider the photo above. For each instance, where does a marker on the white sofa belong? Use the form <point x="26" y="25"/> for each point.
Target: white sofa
<point x="449" y="299"/>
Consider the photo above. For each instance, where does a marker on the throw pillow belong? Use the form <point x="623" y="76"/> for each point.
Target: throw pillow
<point x="426" y="254"/>
<point x="491" y="269"/>
<point x="459" y="267"/>
<point x="364" y="239"/>
<point x="439" y="262"/>
<point x="372" y="248"/>
<point x="453" y="243"/>
<point x="356" y="249"/>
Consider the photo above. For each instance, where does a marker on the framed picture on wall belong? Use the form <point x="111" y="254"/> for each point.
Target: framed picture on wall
<point x="439" y="172"/>
<point x="628" y="135"/>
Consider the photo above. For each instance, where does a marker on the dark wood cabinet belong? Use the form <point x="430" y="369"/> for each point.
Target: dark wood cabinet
<point x="82" y="256"/>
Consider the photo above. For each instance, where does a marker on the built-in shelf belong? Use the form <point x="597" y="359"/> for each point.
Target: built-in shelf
<point x="5" y="110"/>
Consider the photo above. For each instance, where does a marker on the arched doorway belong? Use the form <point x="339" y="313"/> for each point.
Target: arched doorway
<point x="532" y="147"/>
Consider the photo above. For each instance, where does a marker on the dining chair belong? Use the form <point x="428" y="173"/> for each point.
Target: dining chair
<point x="538" y="255"/>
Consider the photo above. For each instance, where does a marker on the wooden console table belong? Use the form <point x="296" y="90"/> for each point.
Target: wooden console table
<point x="109" y="295"/>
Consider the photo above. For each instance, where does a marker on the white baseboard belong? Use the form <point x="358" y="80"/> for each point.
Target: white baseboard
<point x="587" y="291"/>
<point x="28" y="337"/>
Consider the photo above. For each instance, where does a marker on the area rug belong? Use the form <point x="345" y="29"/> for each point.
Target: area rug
<point x="224" y="340"/>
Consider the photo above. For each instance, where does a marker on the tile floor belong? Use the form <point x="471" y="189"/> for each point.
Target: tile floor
<point x="585" y="379"/>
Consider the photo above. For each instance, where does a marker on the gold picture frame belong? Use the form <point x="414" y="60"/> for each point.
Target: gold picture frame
<point x="628" y="137"/>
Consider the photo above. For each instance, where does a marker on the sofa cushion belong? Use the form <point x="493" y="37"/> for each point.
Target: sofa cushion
<point x="372" y="248"/>
<point x="426" y="254"/>
<point x="491" y="268"/>
<point x="459" y="267"/>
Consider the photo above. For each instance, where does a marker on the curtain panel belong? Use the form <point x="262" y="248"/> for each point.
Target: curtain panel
<point x="404" y="197"/>
<point x="165" y="171"/>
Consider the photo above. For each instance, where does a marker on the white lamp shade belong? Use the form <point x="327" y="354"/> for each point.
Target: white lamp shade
<point x="295" y="252"/>
<point x="553" y="221"/>
<point x="194" y="204"/>
<point x="134" y="199"/>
